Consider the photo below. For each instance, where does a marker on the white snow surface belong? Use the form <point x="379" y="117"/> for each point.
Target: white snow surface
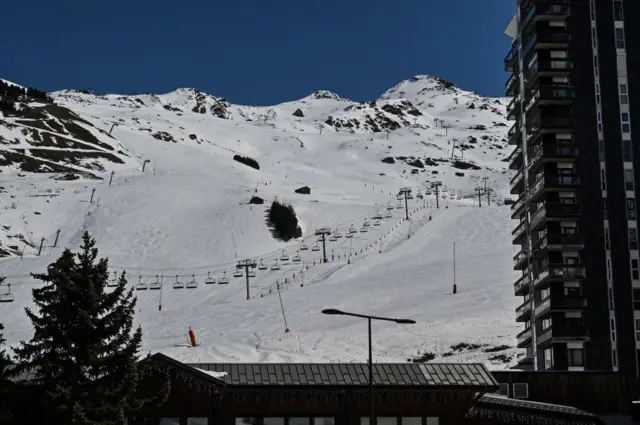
<point x="186" y="218"/>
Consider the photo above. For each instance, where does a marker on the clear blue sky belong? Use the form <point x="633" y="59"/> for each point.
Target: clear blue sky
<point x="253" y="51"/>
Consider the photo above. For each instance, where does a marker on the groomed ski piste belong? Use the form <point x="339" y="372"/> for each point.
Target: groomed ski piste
<point x="185" y="219"/>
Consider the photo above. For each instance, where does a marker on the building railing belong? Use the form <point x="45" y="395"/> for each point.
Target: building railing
<point x="523" y="336"/>
<point x="522" y="254"/>
<point x="521" y="283"/>
<point x="519" y="229"/>
<point x="564" y="331"/>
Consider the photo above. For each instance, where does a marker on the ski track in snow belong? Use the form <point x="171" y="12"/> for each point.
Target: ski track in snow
<point x="183" y="214"/>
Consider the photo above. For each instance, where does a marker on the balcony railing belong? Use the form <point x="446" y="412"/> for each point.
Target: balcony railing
<point x="511" y="58"/>
<point x="564" y="333"/>
<point x="523" y="308"/>
<point x="544" y="38"/>
<point x="560" y="303"/>
<point x="561" y="241"/>
<point x="546" y="94"/>
<point x="561" y="209"/>
<point x="515" y="157"/>
<point x="559" y="271"/>
<point x="511" y="84"/>
<point x="521" y="283"/>
<point x="523" y="337"/>
<point x="545" y="9"/>
<point x="516" y="179"/>
<point x="553" y="182"/>
<point x="551" y="152"/>
<point x="521" y="255"/>
<point x="519" y="229"/>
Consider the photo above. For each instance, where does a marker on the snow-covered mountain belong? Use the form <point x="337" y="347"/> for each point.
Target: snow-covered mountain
<point x="152" y="178"/>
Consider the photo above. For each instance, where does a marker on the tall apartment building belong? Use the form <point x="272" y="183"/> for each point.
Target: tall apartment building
<point x="575" y="83"/>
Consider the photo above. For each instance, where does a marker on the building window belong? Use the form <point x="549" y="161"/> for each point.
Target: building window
<point x="607" y="243"/>
<point x="169" y="421"/>
<point x="611" y="299"/>
<point x="624" y="97"/>
<point x="619" y="38"/>
<point x="635" y="269"/>
<point x="631" y="209"/>
<point x="329" y="420"/>
<point x="548" y="358"/>
<point x="520" y="390"/>
<point x="624" y="117"/>
<point x="609" y="268"/>
<point x="433" y="420"/>
<point x="628" y="179"/>
<point x="299" y="421"/>
<point x="636" y="298"/>
<point x="503" y="389"/>
<point x="633" y="238"/>
<point x="576" y="357"/>
<point x="627" y="154"/>
<point x="387" y="420"/>
<point x="546" y="324"/>
<point x="613" y="330"/>
<point x="272" y="420"/>
<point x="412" y="420"/>
<point x="197" y="421"/>
<point x="617" y="10"/>
<point x="614" y="357"/>
<point x="597" y="93"/>
<point x="603" y="179"/>
<point x="637" y="329"/>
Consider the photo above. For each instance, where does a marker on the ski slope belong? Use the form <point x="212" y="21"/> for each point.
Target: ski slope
<point x="186" y="218"/>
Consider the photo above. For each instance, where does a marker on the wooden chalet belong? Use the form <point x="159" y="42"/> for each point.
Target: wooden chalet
<point x="337" y="394"/>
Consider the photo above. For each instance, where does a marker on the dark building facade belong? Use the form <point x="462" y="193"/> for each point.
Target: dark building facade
<point x="575" y="83"/>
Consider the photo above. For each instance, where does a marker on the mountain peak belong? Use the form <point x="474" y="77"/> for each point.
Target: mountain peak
<point x="325" y="94"/>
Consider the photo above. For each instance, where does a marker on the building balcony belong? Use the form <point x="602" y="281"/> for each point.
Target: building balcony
<point x="544" y="39"/>
<point x="517" y="182"/>
<point x="554" y="211"/>
<point x="516" y="158"/>
<point x="524" y="338"/>
<point x="518" y="207"/>
<point x="519" y="233"/>
<point x="514" y="135"/>
<point x="548" y="68"/>
<point x="521" y="286"/>
<point x="523" y="311"/>
<point x="544" y="11"/>
<point x="558" y="273"/>
<point x="549" y="95"/>
<point x="552" y="183"/>
<point x="510" y="61"/>
<point x="559" y="303"/>
<point x="511" y="86"/>
<point x="520" y="260"/>
<point x="551" y="153"/>
<point x="513" y="108"/>
<point x="551" y="242"/>
<point x="562" y="333"/>
<point x="538" y="126"/>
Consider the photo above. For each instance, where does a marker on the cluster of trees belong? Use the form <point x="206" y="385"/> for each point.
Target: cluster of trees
<point x="10" y="94"/>
<point x="83" y="361"/>
<point x="247" y="161"/>
<point x="284" y="220"/>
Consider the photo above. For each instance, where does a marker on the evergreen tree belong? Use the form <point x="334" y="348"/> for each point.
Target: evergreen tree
<point x="84" y="348"/>
<point x="6" y="404"/>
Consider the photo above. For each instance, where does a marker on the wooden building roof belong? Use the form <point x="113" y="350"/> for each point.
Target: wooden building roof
<point x="432" y="375"/>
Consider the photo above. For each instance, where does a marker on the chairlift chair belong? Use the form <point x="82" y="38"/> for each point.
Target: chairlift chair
<point x="112" y="283"/>
<point x="389" y="206"/>
<point x="275" y="265"/>
<point x="337" y="234"/>
<point x="178" y="284"/>
<point x="388" y="215"/>
<point x="304" y="247"/>
<point x="399" y="197"/>
<point x="332" y="238"/>
<point x="363" y="230"/>
<point x="238" y="273"/>
<point x="224" y="279"/>
<point x="262" y="266"/>
<point x="296" y="258"/>
<point x="366" y="223"/>
<point x="7" y="297"/>
<point x="209" y="280"/>
<point x="349" y="235"/>
<point x="316" y="247"/>
<point x="284" y="256"/>
<point x="376" y="223"/>
<point x="252" y="273"/>
<point x="352" y="229"/>
<point x="141" y="286"/>
<point x="399" y="206"/>
<point x="156" y="285"/>
<point x="409" y="196"/>
<point x="427" y="193"/>
<point x="192" y="284"/>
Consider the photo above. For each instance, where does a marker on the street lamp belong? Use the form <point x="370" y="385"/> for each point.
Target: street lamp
<point x="333" y="311"/>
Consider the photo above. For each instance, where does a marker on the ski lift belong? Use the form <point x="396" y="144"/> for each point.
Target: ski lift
<point x="156" y="285"/>
<point x="363" y="230"/>
<point x="376" y="223"/>
<point x="7" y="297"/>
<point x="252" y="273"/>
<point x="389" y="206"/>
<point x="177" y="284"/>
<point x="352" y="229"/>
<point x="399" y="197"/>
<point x="366" y="223"/>
<point x="332" y="238"/>
<point x="238" y="273"/>
<point x="349" y="235"/>
<point x="275" y="265"/>
<point x="304" y="247"/>
<point x="224" y="279"/>
<point x="192" y="284"/>
<point x="409" y="195"/>
<point x="209" y="280"/>
<point x="337" y="234"/>
<point x="112" y="283"/>
<point x="419" y="195"/>
<point x="284" y="256"/>
<point x="388" y="215"/>
<point x="428" y="192"/>
<point x="141" y="286"/>
<point x="316" y="247"/>
<point x="377" y="216"/>
<point x="296" y="258"/>
<point x="262" y="266"/>
<point x="399" y="206"/>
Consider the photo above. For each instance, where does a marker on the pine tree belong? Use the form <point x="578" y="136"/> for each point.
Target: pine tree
<point x="84" y="347"/>
<point x="6" y="404"/>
